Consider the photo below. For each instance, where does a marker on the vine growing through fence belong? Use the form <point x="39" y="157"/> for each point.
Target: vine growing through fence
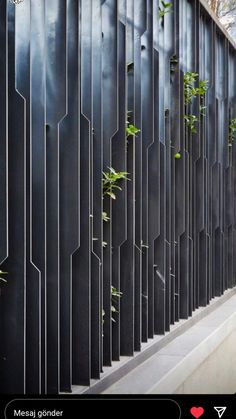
<point x="191" y="92"/>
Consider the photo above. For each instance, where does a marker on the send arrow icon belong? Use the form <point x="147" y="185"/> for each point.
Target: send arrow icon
<point x="220" y="411"/>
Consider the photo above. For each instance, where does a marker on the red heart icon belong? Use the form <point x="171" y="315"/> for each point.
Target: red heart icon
<point x="197" y="412"/>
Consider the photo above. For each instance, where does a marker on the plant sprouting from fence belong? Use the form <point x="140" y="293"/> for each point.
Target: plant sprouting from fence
<point x="131" y="130"/>
<point x="105" y="217"/>
<point x="165" y="8"/>
<point x="115" y="296"/>
<point x="191" y="92"/>
<point x="232" y="131"/>
<point x="111" y="182"/>
<point x="2" y="274"/>
<point x="191" y="121"/>
<point x="189" y="87"/>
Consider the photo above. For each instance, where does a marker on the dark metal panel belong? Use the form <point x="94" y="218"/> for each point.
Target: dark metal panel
<point x="82" y="259"/>
<point x="120" y="279"/>
<point x="139" y="28"/>
<point x="56" y="109"/>
<point x="97" y="163"/>
<point x="3" y="134"/>
<point x="110" y="125"/>
<point x="147" y="139"/>
<point x="37" y="198"/>
<point x="69" y="194"/>
<point x="32" y="308"/>
<point x="160" y="253"/>
<point x="12" y="323"/>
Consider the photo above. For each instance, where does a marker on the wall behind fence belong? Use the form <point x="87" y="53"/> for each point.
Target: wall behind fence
<point x="71" y="74"/>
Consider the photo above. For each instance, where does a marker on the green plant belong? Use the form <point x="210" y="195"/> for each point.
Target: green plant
<point x="165" y="8"/>
<point x="191" y="91"/>
<point x="131" y="130"/>
<point x="105" y="217"/>
<point x="189" y="87"/>
<point x="203" y="87"/>
<point x="191" y="121"/>
<point x="115" y="294"/>
<point x="232" y="131"/>
<point x="202" y="110"/>
<point x="111" y="181"/>
<point x="2" y="273"/>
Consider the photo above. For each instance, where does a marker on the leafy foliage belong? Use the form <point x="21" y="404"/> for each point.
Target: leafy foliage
<point x="191" y="121"/>
<point x="111" y="182"/>
<point x="165" y="8"/>
<point x="232" y="131"/>
<point x="115" y="294"/>
<point x="131" y="130"/>
<point x="191" y="91"/>
<point x="202" y="110"/>
<point x="105" y="217"/>
<point x="2" y="273"/>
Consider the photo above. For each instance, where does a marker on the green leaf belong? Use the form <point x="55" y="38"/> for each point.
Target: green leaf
<point x="131" y="130"/>
<point x="167" y="5"/>
<point x="112" y="195"/>
<point x="166" y="8"/>
<point x="105" y="217"/>
<point x="112" y="170"/>
<point x="115" y="292"/>
<point x="232" y="130"/>
<point x="191" y="121"/>
<point x="3" y="273"/>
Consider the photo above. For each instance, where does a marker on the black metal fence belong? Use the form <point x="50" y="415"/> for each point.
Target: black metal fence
<point x="78" y="80"/>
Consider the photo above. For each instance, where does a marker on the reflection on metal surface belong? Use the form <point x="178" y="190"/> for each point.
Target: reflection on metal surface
<point x="16" y="1"/>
